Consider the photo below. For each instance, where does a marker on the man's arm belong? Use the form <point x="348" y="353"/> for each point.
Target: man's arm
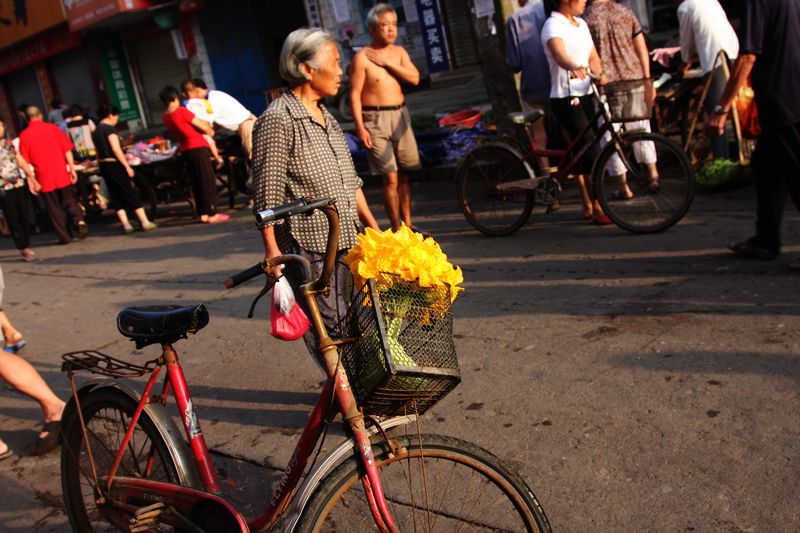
<point x="741" y="69"/>
<point x="358" y="75"/>
<point x="202" y="126"/>
<point x="404" y="69"/>
<point x="116" y="147"/>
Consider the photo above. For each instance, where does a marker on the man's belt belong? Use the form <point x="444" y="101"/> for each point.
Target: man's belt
<point x="382" y="107"/>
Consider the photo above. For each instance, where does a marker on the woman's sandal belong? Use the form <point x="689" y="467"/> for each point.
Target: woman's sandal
<point x="6" y="454"/>
<point x="51" y="440"/>
<point x="617" y="195"/>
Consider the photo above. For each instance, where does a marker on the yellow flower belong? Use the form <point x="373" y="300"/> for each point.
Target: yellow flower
<point x="407" y="255"/>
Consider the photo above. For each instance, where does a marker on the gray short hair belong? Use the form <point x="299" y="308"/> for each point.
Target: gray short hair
<point x="376" y="11"/>
<point x="301" y="46"/>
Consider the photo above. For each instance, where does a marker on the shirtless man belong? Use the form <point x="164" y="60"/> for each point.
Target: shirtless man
<point x="382" y="120"/>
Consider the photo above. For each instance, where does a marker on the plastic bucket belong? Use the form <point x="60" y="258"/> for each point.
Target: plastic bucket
<point x="466" y="118"/>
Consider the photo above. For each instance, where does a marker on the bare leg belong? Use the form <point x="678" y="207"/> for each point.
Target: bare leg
<point x="622" y="189"/>
<point x="653" y="170"/>
<point x="540" y="137"/>
<point x="391" y="199"/>
<point x="142" y="216"/>
<point x="123" y="218"/>
<point x="404" y="193"/>
<point x="19" y="373"/>
<point x="3" y="447"/>
<point x="586" y="200"/>
<point x="10" y="333"/>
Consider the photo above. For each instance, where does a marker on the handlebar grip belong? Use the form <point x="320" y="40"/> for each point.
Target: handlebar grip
<point x="244" y="275"/>
<point x="298" y="207"/>
<point x="282" y="211"/>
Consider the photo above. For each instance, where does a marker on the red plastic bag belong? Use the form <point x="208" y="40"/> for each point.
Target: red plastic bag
<point x="289" y="322"/>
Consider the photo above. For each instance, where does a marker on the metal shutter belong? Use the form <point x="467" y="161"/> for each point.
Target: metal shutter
<point x="457" y="20"/>
<point x="158" y="66"/>
<point x="73" y="78"/>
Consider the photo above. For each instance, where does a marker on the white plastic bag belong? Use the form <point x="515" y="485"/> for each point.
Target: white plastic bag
<point x="283" y="296"/>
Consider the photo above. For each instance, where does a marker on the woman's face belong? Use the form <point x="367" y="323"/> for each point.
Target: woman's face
<point x="575" y="7"/>
<point x="326" y="79"/>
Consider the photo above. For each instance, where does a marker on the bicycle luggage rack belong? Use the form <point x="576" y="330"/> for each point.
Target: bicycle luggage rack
<point x="100" y="363"/>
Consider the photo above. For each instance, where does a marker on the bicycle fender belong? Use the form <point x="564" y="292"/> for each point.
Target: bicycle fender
<point x="166" y="427"/>
<point x="326" y="466"/>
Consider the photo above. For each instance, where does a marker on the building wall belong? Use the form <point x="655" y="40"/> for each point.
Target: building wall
<point x="21" y="20"/>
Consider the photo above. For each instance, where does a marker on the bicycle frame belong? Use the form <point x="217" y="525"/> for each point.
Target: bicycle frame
<point x="178" y="502"/>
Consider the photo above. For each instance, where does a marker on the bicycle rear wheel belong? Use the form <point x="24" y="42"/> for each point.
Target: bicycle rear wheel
<point x="487" y="208"/>
<point x="108" y="415"/>
<point x="656" y="204"/>
<point x="438" y="484"/>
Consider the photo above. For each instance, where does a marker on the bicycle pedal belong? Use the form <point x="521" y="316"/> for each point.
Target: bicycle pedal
<point x="145" y="517"/>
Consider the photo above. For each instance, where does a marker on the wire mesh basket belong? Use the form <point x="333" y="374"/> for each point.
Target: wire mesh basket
<point x="629" y="100"/>
<point x="400" y="357"/>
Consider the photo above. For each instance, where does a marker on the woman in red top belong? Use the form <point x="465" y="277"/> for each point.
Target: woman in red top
<point x="188" y="130"/>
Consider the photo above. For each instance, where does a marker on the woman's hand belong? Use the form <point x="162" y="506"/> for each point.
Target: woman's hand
<point x="579" y="72"/>
<point x="34" y="186"/>
<point x="130" y="171"/>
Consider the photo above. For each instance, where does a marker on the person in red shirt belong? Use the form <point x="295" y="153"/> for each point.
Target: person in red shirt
<point x="49" y="151"/>
<point x="188" y="130"/>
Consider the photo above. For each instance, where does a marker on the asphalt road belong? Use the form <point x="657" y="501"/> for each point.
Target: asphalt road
<point x="638" y="383"/>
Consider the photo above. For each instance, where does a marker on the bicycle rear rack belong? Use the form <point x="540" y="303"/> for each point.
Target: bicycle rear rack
<point x="100" y="363"/>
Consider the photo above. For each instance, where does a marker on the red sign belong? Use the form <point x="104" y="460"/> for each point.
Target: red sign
<point x="38" y="48"/>
<point x="84" y="13"/>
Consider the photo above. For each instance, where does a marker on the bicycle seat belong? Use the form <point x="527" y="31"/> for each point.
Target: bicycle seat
<point x="525" y="117"/>
<point x="162" y="324"/>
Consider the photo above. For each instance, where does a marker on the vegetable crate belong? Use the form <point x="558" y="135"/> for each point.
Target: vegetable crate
<point x="399" y="353"/>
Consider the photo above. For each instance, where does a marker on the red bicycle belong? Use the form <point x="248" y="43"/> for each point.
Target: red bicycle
<point x="127" y="466"/>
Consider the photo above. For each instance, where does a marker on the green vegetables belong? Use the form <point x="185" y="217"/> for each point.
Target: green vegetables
<point x="717" y="173"/>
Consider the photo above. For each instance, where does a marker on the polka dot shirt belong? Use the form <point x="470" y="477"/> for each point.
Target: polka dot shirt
<point x="294" y="156"/>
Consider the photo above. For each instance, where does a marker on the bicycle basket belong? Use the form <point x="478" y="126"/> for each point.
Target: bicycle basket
<point x="402" y="358"/>
<point x="629" y="100"/>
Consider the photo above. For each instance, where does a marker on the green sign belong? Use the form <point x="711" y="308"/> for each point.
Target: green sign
<point x="118" y="78"/>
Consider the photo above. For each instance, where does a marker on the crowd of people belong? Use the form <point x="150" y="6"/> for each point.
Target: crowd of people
<point x="297" y="149"/>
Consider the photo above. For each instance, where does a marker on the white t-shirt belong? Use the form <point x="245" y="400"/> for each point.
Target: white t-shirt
<point x="199" y="109"/>
<point x="578" y="45"/>
<point x="704" y="27"/>
<point x="227" y="110"/>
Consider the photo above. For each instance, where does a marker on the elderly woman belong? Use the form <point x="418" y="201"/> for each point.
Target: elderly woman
<point x="299" y="151"/>
<point x="570" y="52"/>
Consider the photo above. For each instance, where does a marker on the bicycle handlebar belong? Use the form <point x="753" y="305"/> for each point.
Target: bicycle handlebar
<point x="245" y="275"/>
<point x="298" y="207"/>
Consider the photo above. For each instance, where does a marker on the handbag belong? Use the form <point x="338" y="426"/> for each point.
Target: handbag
<point x="289" y="321"/>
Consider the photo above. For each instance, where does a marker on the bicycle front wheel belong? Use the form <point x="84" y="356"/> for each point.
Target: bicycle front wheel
<point x="108" y="415"/>
<point x="437" y="484"/>
<point x="487" y="206"/>
<point x="658" y="174"/>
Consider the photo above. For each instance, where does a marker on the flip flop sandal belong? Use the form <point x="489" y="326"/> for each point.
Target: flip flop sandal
<point x="51" y="441"/>
<point x="17" y="346"/>
<point x="6" y="454"/>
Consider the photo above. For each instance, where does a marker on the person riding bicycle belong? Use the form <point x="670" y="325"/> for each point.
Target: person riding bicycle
<point x="299" y="151"/>
<point x="570" y="53"/>
<point x="619" y="39"/>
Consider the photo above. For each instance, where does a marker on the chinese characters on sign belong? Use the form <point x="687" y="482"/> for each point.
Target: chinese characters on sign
<point x="118" y="79"/>
<point x="433" y="35"/>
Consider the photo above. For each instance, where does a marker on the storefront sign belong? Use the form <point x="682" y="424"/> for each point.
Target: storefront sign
<point x="433" y="35"/>
<point x="83" y="13"/>
<point x="312" y="14"/>
<point x="36" y="49"/>
<point x="118" y="78"/>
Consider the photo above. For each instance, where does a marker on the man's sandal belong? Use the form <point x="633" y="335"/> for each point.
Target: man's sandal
<point x="51" y="440"/>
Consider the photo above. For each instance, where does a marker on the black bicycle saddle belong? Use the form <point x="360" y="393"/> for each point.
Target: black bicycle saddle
<point x="161" y="324"/>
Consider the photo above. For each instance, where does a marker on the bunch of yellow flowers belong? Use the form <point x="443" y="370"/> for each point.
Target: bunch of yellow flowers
<point x="407" y="255"/>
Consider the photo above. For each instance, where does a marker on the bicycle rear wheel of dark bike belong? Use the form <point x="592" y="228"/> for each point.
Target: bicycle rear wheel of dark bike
<point x="657" y="202"/>
<point x="488" y="208"/>
<point x="107" y="414"/>
<point x="435" y="483"/>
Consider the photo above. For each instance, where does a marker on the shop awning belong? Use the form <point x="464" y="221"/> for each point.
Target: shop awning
<point x="82" y="14"/>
